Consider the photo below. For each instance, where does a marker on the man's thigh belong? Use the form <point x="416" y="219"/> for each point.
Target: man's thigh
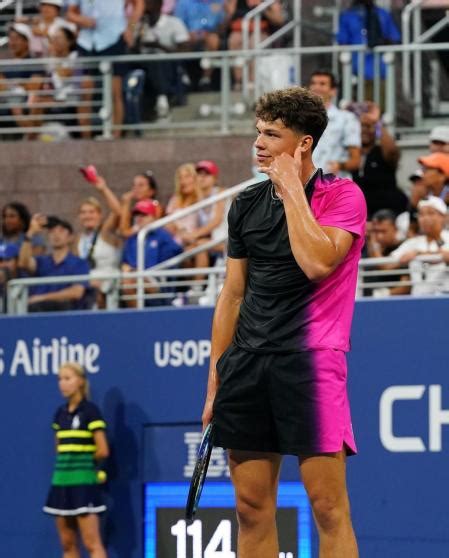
<point x="255" y="476"/>
<point x="324" y="476"/>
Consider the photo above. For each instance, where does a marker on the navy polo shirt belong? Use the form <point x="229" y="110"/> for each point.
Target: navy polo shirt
<point x="159" y="246"/>
<point x="47" y="267"/>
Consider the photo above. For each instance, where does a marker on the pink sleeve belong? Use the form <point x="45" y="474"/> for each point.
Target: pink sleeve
<point x="346" y="209"/>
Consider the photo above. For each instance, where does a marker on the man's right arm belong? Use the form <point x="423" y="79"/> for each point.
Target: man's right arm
<point x="224" y="325"/>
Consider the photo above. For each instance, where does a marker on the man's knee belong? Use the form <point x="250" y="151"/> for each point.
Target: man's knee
<point x="254" y="512"/>
<point x="330" y="512"/>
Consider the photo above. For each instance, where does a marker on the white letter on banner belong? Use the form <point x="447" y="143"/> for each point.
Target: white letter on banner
<point x="21" y="358"/>
<point x="388" y="439"/>
<point x="161" y="353"/>
<point x="437" y="417"/>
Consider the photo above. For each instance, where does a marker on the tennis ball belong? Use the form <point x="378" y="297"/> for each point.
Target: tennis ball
<point x="101" y="476"/>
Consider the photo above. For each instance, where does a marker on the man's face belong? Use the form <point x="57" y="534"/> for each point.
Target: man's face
<point x="431" y="221"/>
<point x="59" y="237"/>
<point x="18" y="45"/>
<point x="433" y="179"/>
<point x="321" y="85"/>
<point x="385" y="233"/>
<point x="274" y="138"/>
<point x="437" y="146"/>
<point x="205" y="180"/>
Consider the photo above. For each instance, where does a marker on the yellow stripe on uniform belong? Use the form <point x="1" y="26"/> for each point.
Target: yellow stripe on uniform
<point x="96" y="424"/>
<point x="63" y="448"/>
<point x="74" y="434"/>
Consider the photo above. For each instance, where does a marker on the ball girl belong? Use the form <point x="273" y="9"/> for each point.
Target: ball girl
<point x="75" y="496"/>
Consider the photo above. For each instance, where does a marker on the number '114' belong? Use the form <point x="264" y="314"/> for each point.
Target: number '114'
<point x="220" y="539"/>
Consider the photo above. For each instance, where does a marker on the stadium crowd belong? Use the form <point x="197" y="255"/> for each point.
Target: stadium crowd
<point x="65" y="30"/>
<point x="407" y="224"/>
<point x="405" y="227"/>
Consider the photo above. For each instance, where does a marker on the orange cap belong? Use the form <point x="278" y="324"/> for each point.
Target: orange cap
<point x="438" y="161"/>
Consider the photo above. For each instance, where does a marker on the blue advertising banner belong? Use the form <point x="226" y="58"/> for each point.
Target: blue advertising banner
<point x="148" y="373"/>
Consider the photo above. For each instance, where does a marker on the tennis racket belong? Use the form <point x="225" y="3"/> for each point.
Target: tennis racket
<point x="200" y="471"/>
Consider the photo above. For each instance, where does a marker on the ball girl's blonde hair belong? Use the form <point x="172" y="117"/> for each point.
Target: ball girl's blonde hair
<point x="81" y="373"/>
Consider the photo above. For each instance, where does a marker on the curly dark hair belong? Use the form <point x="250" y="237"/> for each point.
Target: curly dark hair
<point x="21" y="210"/>
<point x="297" y="108"/>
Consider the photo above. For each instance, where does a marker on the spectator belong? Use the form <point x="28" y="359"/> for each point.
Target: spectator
<point x="427" y="277"/>
<point x="382" y="240"/>
<point x="436" y="174"/>
<point x="21" y="81"/>
<point x="407" y="221"/>
<point x="439" y="139"/>
<point x="48" y="20"/>
<point x="98" y="243"/>
<point x="9" y="269"/>
<point x="205" y="21"/>
<point x="213" y="219"/>
<point x="15" y="222"/>
<point x="272" y="18"/>
<point x="159" y="247"/>
<point x="63" y="85"/>
<point x="366" y="24"/>
<point x="106" y="30"/>
<point x="156" y="33"/>
<point x="338" y="151"/>
<point x="187" y="193"/>
<point x="144" y="188"/>
<point x="60" y="262"/>
<point x="380" y="157"/>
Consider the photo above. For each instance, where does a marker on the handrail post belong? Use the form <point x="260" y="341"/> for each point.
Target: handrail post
<point x="390" y="90"/>
<point x="225" y="94"/>
<point x="107" y="109"/>
<point x="346" y="89"/>
<point x="417" y="71"/>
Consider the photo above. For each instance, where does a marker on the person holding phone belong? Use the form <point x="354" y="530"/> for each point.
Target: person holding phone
<point x="60" y="262"/>
<point x="99" y="242"/>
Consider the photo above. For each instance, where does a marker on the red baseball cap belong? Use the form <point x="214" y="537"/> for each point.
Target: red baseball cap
<point x="208" y="166"/>
<point x="146" y="207"/>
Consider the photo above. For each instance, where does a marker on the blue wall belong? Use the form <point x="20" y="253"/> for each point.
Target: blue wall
<point x="149" y="368"/>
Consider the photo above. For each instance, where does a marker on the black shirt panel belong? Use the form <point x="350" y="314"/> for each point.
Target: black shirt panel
<point x="277" y="292"/>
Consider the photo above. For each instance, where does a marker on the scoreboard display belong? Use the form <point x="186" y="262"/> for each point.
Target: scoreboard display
<point x="213" y="531"/>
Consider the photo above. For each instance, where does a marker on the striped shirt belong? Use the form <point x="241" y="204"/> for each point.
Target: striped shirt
<point x="75" y="464"/>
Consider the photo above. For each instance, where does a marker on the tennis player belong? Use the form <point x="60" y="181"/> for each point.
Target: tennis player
<point x="277" y="381"/>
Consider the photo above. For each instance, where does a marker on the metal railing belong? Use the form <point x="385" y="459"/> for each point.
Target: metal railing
<point x="173" y="284"/>
<point x="145" y="231"/>
<point x="225" y="59"/>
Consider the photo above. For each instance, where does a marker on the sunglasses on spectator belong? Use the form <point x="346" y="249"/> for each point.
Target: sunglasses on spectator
<point x="438" y="142"/>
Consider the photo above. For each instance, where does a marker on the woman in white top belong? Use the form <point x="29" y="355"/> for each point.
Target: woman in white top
<point x="98" y="241"/>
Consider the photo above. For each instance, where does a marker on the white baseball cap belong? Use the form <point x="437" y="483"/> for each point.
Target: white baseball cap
<point x="434" y="202"/>
<point x="439" y="133"/>
<point x="22" y="29"/>
<point x="57" y="3"/>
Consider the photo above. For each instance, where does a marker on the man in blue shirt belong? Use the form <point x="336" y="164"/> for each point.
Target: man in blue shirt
<point x="159" y="247"/>
<point x="366" y="24"/>
<point x="60" y="262"/>
<point x="106" y="28"/>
